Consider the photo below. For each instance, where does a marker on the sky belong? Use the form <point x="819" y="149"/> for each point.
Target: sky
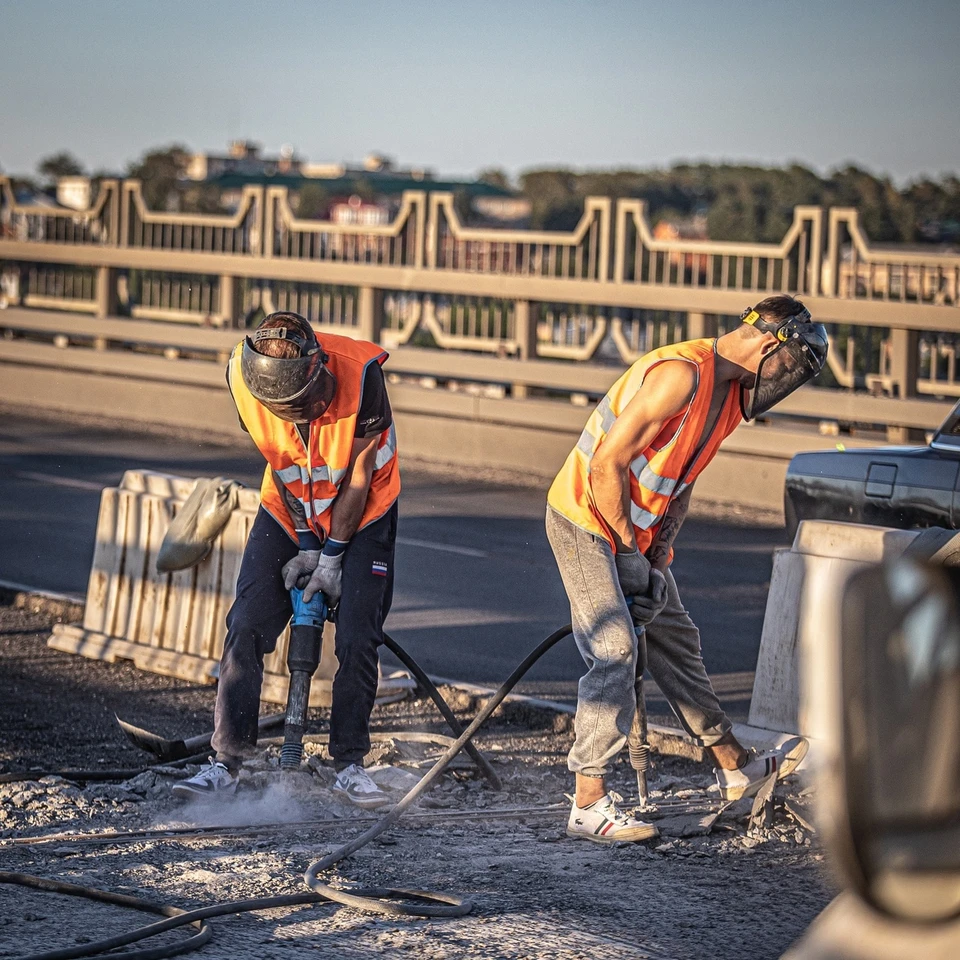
<point x="460" y="87"/>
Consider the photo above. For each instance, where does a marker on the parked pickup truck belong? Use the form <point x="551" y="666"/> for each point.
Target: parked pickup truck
<point x="887" y="486"/>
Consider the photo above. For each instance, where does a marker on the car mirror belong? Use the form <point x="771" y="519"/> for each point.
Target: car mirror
<point x="896" y="815"/>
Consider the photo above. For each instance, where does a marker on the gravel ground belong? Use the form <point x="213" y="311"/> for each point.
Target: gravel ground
<point x="696" y="892"/>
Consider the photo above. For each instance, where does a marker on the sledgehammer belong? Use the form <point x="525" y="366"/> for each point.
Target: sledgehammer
<point x="168" y="750"/>
<point x="303" y="658"/>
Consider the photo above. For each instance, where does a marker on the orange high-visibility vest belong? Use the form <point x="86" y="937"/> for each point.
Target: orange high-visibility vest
<point x="313" y="473"/>
<point x="664" y="469"/>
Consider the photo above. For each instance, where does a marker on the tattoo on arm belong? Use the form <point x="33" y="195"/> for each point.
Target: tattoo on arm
<point x="294" y="506"/>
<point x="659" y="552"/>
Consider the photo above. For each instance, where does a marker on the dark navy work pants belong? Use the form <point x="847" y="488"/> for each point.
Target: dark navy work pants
<point x="261" y="611"/>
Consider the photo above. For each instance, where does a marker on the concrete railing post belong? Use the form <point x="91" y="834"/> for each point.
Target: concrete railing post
<point x="525" y="315"/>
<point x="369" y="313"/>
<point x="904" y="370"/>
<point x="701" y="325"/>
<point x="106" y="292"/>
<point x="230" y="301"/>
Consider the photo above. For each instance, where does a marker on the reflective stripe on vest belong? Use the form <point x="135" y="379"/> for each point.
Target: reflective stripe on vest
<point x="312" y="473"/>
<point x="663" y="470"/>
<point x="388" y="449"/>
<point x="317" y="474"/>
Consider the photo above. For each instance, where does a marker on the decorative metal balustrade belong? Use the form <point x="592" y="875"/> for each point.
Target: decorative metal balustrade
<point x="397" y="244"/>
<point x="856" y="271"/>
<point x="191" y="232"/>
<point x="791" y="266"/>
<point x="53" y="225"/>
<point x="61" y="286"/>
<point x="608" y="289"/>
<point x="583" y="254"/>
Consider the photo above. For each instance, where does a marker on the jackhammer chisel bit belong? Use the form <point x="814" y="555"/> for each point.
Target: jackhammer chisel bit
<point x="637" y="744"/>
<point x="303" y="658"/>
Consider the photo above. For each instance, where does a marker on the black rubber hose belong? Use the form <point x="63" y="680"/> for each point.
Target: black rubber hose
<point x="427" y="684"/>
<point x="390" y="909"/>
<point x="94" y="776"/>
<point x="176" y="918"/>
<point x="366" y="899"/>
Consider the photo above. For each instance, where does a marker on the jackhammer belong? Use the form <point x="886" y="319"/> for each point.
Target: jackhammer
<point x="637" y="745"/>
<point x="303" y="658"/>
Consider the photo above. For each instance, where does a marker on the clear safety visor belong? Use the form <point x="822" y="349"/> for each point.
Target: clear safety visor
<point x="795" y="362"/>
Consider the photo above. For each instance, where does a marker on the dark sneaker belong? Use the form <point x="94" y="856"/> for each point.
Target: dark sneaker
<point x="212" y="779"/>
<point x="604" y="822"/>
<point x="354" y="784"/>
<point x="748" y="780"/>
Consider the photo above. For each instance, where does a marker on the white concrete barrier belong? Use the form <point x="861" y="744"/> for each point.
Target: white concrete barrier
<point x="796" y="684"/>
<point x="174" y="623"/>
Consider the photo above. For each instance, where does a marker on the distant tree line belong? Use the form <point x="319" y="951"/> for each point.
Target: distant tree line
<point x="740" y="202"/>
<point x="744" y="202"/>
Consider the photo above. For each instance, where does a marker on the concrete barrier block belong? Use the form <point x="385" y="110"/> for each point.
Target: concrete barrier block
<point x="795" y="686"/>
<point x="175" y="623"/>
<point x="858" y="542"/>
<point x="776" y="692"/>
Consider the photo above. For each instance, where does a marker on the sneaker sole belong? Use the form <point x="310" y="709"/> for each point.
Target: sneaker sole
<point x="791" y="761"/>
<point x="363" y="804"/>
<point x="181" y="790"/>
<point x="634" y="835"/>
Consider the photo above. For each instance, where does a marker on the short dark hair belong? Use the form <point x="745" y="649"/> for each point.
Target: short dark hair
<point x="773" y="310"/>
<point x="284" y="349"/>
<point x="779" y="307"/>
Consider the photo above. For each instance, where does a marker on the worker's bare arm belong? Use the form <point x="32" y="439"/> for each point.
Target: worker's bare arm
<point x="659" y="552"/>
<point x="352" y="499"/>
<point x="666" y="392"/>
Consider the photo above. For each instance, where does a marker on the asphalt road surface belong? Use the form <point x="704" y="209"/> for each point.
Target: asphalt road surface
<point x="476" y="584"/>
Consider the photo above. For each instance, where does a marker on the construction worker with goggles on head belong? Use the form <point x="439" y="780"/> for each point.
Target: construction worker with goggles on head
<point x="613" y="513"/>
<point x="318" y="412"/>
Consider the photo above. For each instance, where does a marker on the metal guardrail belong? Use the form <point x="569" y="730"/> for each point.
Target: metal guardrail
<point x="605" y="290"/>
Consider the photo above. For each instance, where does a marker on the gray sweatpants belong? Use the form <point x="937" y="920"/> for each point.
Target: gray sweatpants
<point x="604" y="633"/>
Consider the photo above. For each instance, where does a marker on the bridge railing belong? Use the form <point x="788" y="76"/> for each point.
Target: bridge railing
<point x="53" y="225"/>
<point x="607" y="290"/>
<point x="239" y="233"/>
<point x="581" y="254"/>
<point x="760" y="269"/>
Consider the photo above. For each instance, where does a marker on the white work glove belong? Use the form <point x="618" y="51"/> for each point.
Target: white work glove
<point x="296" y="572"/>
<point x="646" y="607"/>
<point x="633" y="572"/>
<point x="325" y="579"/>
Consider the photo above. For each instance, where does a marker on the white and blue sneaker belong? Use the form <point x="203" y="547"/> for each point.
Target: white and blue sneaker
<point x="213" y="779"/>
<point x="354" y="784"/>
<point x="748" y="779"/>
<point x="603" y="822"/>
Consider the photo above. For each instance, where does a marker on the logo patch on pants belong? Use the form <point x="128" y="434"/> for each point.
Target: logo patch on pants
<point x="379" y="568"/>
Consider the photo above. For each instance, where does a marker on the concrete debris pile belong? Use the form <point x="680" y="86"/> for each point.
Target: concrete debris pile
<point x="685" y="803"/>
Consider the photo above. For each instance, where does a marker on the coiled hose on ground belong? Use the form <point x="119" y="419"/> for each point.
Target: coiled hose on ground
<point x="388" y="901"/>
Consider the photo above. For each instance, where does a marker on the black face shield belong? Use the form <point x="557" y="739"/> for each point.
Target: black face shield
<point x="299" y="389"/>
<point x="798" y="358"/>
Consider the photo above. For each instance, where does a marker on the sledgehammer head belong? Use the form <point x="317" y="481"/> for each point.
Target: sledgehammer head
<point x="163" y="749"/>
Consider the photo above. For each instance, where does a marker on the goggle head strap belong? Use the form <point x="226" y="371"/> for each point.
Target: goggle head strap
<point x="306" y="347"/>
<point x="782" y="329"/>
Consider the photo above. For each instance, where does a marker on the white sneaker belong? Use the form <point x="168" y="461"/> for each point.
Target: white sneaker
<point x="748" y="779"/>
<point x="603" y="822"/>
<point x="214" y="778"/>
<point x="355" y="785"/>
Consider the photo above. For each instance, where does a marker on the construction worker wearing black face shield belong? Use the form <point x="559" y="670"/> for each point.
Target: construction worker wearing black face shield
<point x="318" y="412"/>
<point x="613" y="513"/>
